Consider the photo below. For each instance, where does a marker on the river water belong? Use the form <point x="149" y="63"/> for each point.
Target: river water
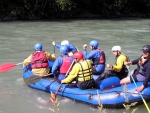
<point x="17" y="40"/>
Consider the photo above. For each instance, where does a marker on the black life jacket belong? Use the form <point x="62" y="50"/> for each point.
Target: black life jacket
<point x="141" y="69"/>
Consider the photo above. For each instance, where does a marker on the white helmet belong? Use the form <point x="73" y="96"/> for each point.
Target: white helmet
<point x="65" y="42"/>
<point x="116" y="48"/>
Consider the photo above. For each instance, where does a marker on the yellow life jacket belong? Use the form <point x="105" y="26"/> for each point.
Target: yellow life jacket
<point x="85" y="72"/>
<point x="124" y="59"/>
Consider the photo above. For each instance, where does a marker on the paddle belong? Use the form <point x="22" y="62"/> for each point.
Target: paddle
<point x="139" y="92"/>
<point x="8" y="66"/>
<point x="56" y="93"/>
<point x="54" y="49"/>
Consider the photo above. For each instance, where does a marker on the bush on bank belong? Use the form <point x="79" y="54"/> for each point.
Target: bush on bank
<point x="56" y="9"/>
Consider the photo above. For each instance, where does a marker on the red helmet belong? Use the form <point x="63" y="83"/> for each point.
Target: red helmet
<point x="78" y="55"/>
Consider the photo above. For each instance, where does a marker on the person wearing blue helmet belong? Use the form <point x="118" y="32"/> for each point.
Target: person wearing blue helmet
<point x="97" y="56"/>
<point x="39" y="60"/>
<point x="71" y="48"/>
<point x="62" y="64"/>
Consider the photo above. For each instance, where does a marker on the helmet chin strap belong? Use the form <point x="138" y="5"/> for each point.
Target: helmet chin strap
<point x="77" y="60"/>
<point x="118" y="53"/>
<point x="148" y="56"/>
<point x="93" y="48"/>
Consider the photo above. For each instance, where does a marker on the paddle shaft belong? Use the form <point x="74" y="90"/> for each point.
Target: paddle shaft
<point x="69" y="68"/>
<point x="65" y="76"/>
<point x="54" y="49"/>
<point x="19" y="63"/>
<point x="139" y="92"/>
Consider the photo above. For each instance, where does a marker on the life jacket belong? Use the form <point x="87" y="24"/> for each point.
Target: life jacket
<point x="124" y="68"/>
<point x="39" y="60"/>
<point x="101" y="59"/>
<point x="141" y="69"/>
<point x="85" y="73"/>
<point x="65" y="65"/>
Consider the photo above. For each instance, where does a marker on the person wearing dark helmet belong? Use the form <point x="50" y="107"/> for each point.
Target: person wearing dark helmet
<point x="81" y="72"/>
<point x="142" y="73"/>
<point x="62" y="63"/>
<point x="39" y="60"/>
<point x="97" y="56"/>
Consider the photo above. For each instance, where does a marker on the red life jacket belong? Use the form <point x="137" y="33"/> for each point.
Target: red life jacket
<point x="39" y="60"/>
<point x="100" y="60"/>
<point x="102" y="57"/>
<point x="65" y="65"/>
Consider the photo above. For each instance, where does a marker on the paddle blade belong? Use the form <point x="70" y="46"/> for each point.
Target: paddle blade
<point x="53" y="98"/>
<point x="6" y="67"/>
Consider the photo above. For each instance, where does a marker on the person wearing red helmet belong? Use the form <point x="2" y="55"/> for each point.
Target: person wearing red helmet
<point x="81" y="72"/>
<point x="142" y="73"/>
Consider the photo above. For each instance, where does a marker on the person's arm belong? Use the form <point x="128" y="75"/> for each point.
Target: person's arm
<point x="135" y="61"/>
<point x="57" y="45"/>
<point x="85" y="51"/>
<point x="89" y="56"/>
<point x="147" y="78"/>
<point x="72" y="48"/>
<point x="56" y="65"/>
<point x="50" y="57"/>
<point x="27" y="60"/>
<point x="119" y="63"/>
<point x="74" y="72"/>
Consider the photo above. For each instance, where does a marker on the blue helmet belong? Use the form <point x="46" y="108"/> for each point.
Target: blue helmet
<point x="63" y="49"/>
<point x="94" y="43"/>
<point x="38" y="47"/>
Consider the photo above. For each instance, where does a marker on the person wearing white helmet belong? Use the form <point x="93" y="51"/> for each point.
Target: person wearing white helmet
<point x="118" y="69"/>
<point x="116" y="48"/>
<point x="65" y="42"/>
<point x="71" y="48"/>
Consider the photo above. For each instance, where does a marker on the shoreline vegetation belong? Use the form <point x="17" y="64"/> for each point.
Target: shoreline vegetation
<point x="73" y="9"/>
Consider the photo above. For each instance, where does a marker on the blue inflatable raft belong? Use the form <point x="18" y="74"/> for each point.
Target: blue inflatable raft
<point x="108" y="92"/>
